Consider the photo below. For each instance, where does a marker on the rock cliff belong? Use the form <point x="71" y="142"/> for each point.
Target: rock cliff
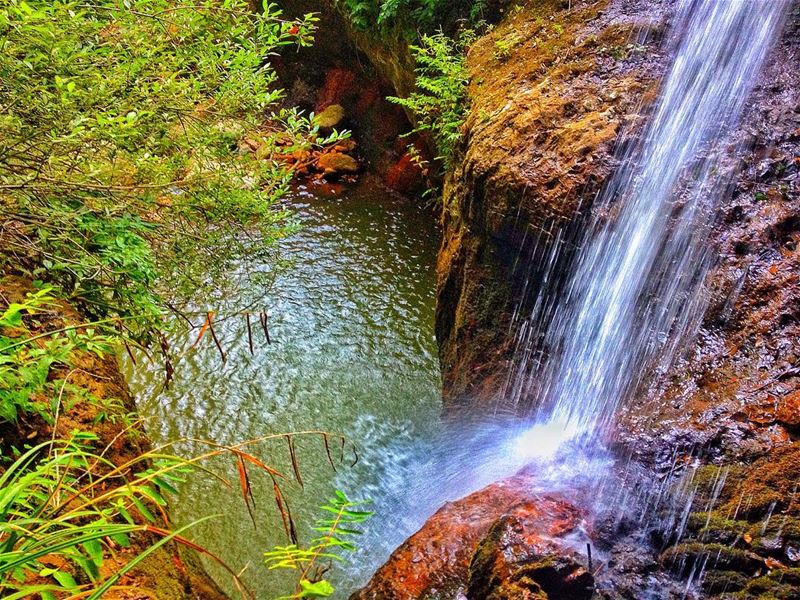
<point x="556" y="88"/>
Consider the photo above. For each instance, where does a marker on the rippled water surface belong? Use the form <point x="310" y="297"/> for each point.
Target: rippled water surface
<point x="352" y="351"/>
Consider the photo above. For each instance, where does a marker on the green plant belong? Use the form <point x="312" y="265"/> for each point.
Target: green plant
<point x="303" y="133"/>
<point x="26" y="361"/>
<point x="477" y="11"/>
<point x="365" y="13"/>
<point x="120" y="169"/>
<point x="65" y="508"/>
<point x="504" y="46"/>
<point x="59" y="519"/>
<point x="408" y="15"/>
<point x="337" y="531"/>
<point x="440" y="102"/>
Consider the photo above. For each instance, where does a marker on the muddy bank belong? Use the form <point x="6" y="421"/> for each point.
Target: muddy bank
<point x="169" y="573"/>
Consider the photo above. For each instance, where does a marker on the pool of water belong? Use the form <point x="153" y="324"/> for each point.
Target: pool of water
<point x="352" y="352"/>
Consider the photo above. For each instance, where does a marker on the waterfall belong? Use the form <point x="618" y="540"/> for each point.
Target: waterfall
<point x="636" y="290"/>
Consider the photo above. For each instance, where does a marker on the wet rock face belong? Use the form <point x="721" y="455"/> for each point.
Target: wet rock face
<point x="515" y="561"/>
<point x="501" y="542"/>
<point x="743" y="532"/>
<point x="736" y="395"/>
<point x="551" y="91"/>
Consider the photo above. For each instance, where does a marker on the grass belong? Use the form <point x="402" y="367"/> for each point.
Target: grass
<point x="66" y="510"/>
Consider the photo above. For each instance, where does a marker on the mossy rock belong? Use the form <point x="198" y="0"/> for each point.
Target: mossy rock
<point x="330" y="117"/>
<point x="778" y="585"/>
<point x="769" y="486"/>
<point x="706" y="478"/>
<point x="715" y="528"/>
<point x="683" y="557"/>
<point x="780" y="526"/>
<point x="718" y="582"/>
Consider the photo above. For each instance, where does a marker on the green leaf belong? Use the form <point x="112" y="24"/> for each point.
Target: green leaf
<point x="65" y="579"/>
<point x="95" y="551"/>
<point x="317" y="589"/>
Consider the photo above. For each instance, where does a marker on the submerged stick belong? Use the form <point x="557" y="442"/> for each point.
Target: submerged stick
<point x="215" y="338"/>
<point x="589" y="554"/>
<point x="169" y="369"/>
<point x="262" y="316"/>
<point x="328" y="451"/>
<point x="129" y="353"/>
<point x="249" y="333"/>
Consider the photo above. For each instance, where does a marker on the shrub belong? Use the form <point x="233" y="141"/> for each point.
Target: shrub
<point x="120" y="168"/>
<point x="337" y="530"/>
<point x="440" y="102"/>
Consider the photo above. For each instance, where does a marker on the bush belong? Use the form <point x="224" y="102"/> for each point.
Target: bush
<point x="120" y="168"/>
<point x="440" y="102"/>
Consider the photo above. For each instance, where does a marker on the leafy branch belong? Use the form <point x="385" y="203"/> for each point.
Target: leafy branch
<point x="337" y="532"/>
<point x="440" y="101"/>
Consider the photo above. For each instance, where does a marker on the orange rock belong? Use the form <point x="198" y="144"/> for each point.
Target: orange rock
<point x="339" y="84"/>
<point x="300" y="154"/>
<point x="337" y="162"/>
<point x="438" y="556"/>
<point x="788" y="412"/>
<point x="405" y="176"/>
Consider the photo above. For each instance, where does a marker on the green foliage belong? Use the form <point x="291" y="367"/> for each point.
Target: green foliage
<point x="407" y="15"/>
<point x="26" y="381"/>
<point x="56" y="508"/>
<point x="65" y="508"/>
<point x="504" y="45"/>
<point x="440" y="102"/>
<point x="364" y="14"/>
<point x="121" y="173"/>
<point x="303" y="132"/>
<point x="337" y="531"/>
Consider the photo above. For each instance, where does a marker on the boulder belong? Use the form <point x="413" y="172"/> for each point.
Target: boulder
<point x="518" y="560"/>
<point x="330" y="117"/>
<point x="788" y="412"/>
<point x="334" y="163"/>
<point x="538" y="140"/>
<point x="498" y="540"/>
<point x="405" y="175"/>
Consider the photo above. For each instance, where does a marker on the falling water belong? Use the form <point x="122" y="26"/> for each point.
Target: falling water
<point x="636" y="288"/>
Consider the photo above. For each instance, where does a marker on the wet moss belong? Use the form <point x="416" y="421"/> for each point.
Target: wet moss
<point x="684" y="557"/>
<point x="719" y="582"/>
<point x="706" y="479"/>
<point x="777" y="585"/>
<point x="771" y="485"/>
<point x="784" y="526"/>
<point x="713" y="527"/>
<point x="754" y="520"/>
